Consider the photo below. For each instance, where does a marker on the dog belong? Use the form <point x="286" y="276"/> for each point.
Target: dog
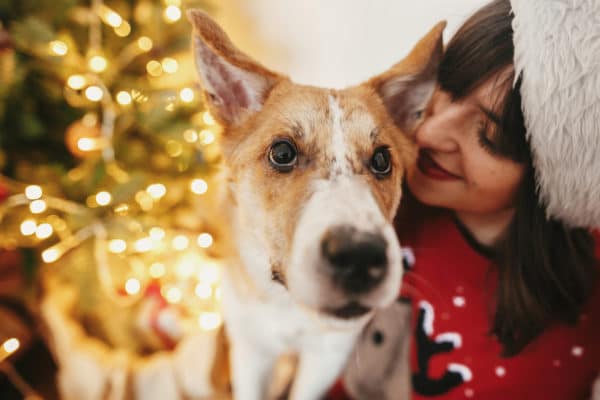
<point x="312" y="182"/>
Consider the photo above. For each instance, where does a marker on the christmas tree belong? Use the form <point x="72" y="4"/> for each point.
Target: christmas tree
<point x="107" y="197"/>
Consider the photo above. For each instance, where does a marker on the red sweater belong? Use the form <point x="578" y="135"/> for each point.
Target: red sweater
<point x="453" y="356"/>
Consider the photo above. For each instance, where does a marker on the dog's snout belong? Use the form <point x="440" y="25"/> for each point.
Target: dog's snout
<point x="358" y="259"/>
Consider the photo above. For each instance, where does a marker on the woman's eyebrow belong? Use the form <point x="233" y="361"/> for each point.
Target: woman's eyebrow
<point x="492" y="116"/>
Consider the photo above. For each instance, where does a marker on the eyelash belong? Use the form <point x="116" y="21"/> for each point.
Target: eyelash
<point x="484" y="141"/>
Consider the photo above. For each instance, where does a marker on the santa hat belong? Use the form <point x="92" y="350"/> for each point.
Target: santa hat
<point x="557" y="55"/>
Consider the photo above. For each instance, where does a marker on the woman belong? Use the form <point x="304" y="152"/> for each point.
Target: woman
<point x="503" y="268"/>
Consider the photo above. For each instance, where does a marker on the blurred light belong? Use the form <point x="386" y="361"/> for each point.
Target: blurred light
<point x="76" y="82"/>
<point x="207" y="137"/>
<point x="173" y="295"/>
<point x="174" y="148"/>
<point x="11" y="345"/>
<point x="144" y="200"/>
<point x="190" y="136"/>
<point x="170" y="65"/>
<point x="203" y="290"/>
<point x="157" y="233"/>
<point x="28" y="227"/>
<point x="156" y="190"/>
<point x="132" y="286"/>
<point x="172" y="13"/>
<point x="145" y="43"/>
<point x="86" y="144"/>
<point x="218" y="293"/>
<point x="143" y="245"/>
<point x="186" y="267"/>
<point x="103" y="198"/>
<point x="124" y="98"/>
<point x="94" y="93"/>
<point x="43" y="231"/>
<point x="209" y="273"/>
<point x="112" y="18"/>
<point x="207" y="118"/>
<point x="173" y="3"/>
<point x="58" y="47"/>
<point x="180" y="242"/>
<point x="50" y="255"/>
<point x="154" y="68"/>
<point x="90" y="119"/>
<point x="117" y="246"/>
<point x="209" y="320"/>
<point x="157" y="270"/>
<point x="123" y="30"/>
<point x="121" y="209"/>
<point x="33" y="192"/>
<point x="199" y="186"/>
<point x="205" y="240"/>
<point x="187" y="95"/>
<point x="37" y="206"/>
<point x="97" y="63"/>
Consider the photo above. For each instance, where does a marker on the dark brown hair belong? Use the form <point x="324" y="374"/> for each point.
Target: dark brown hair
<point x="545" y="270"/>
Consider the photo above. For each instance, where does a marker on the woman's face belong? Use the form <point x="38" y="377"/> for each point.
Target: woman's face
<point x="458" y="167"/>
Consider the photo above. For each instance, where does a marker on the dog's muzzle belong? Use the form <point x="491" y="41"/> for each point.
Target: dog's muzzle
<point x="357" y="260"/>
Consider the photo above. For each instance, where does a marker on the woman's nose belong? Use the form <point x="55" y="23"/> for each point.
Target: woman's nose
<point x="438" y="132"/>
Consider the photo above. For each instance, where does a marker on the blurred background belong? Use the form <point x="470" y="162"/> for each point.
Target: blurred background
<point x="110" y="240"/>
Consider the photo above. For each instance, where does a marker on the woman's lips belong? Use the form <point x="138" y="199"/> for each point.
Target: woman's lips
<point x="430" y="168"/>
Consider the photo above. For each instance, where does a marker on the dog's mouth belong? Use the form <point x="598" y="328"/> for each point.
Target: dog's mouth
<point x="351" y="310"/>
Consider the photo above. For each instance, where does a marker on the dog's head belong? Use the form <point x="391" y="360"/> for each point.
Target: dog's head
<point x="315" y="174"/>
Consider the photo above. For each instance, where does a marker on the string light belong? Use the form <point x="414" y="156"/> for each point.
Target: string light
<point x="76" y="82"/>
<point x="117" y="246"/>
<point x="28" y="227"/>
<point x="173" y="295"/>
<point x="157" y="270"/>
<point x="58" y="47"/>
<point x="174" y="148"/>
<point x="50" y="255"/>
<point x="98" y="63"/>
<point x="186" y="95"/>
<point x="145" y="43"/>
<point x="86" y="144"/>
<point x="94" y="93"/>
<point x="157" y="233"/>
<point x="205" y="240"/>
<point x="103" y="198"/>
<point x="208" y="119"/>
<point x="170" y="65"/>
<point x="156" y="190"/>
<point x="209" y="273"/>
<point x="37" y="206"/>
<point x="144" y="200"/>
<point x="124" y="98"/>
<point x="112" y="18"/>
<point x="172" y="14"/>
<point x="43" y="231"/>
<point x="132" y="286"/>
<point x="203" y="290"/>
<point x="187" y="266"/>
<point x="11" y="345"/>
<point x="180" y="242"/>
<point x="199" y="186"/>
<point x="33" y="192"/>
<point x="143" y="245"/>
<point x="209" y="320"/>
<point x="154" y="68"/>
<point x="207" y="137"/>
<point x="190" y="136"/>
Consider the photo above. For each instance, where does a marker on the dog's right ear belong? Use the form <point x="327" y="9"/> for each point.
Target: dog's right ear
<point x="234" y="85"/>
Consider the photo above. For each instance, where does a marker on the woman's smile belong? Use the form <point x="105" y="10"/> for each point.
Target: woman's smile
<point x="430" y="168"/>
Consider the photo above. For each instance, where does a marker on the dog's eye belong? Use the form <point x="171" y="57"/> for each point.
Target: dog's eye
<point x="381" y="162"/>
<point x="283" y="155"/>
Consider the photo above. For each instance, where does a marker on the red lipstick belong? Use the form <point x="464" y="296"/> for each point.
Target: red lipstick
<point x="432" y="169"/>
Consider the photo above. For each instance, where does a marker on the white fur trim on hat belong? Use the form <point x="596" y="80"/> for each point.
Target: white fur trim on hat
<point x="557" y="51"/>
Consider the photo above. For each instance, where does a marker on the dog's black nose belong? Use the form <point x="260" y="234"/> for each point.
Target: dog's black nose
<point x="358" y="259"/>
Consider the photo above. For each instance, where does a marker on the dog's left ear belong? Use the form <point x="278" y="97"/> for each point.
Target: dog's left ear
<point x="407" y="87"/>
<point x="234" y="85"/>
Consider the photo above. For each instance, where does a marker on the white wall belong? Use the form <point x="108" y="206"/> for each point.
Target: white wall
<point x="335" y="42"/>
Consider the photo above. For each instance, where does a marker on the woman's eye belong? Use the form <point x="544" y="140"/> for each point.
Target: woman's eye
<point x="283" y="155"/>
<point x="381" y="164"/>
<point x="484" y="141"/>
<point x="418" y="114"/>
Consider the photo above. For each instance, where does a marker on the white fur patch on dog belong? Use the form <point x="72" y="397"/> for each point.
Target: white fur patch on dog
<point x="338" y="144"/>
<point x="557" y="51"/>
